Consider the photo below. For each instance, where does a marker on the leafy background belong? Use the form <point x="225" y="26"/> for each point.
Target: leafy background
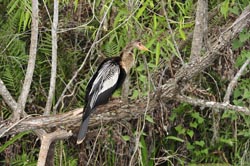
<point x="175" y="134"/>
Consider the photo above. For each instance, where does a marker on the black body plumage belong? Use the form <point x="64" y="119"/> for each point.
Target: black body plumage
<point x="109" y="76"/>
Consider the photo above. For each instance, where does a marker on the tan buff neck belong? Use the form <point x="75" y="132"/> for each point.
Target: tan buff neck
<point x="127" y="61"/>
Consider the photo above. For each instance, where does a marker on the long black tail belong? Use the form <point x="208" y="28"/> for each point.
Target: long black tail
<point x="83" y="130"/>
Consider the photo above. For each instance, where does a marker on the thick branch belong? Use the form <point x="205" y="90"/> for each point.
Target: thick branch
<point x="112" y="111"/>
<point x="199" y="29"/>
<point x="212" y="104"/>
<point x="9" y="100"/>
<point x="13" y="105"/>
<point x="31" y="63"/>
<point x="195" y="67"/>
<point x="211" y="14"/>
<point x="54" y="60"/>
<point x="46" y="140"/>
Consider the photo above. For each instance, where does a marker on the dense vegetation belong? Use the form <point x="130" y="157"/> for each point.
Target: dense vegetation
<point x="175" y="133"/>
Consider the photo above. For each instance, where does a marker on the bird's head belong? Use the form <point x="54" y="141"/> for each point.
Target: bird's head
<point x="136" y="44"/>
<point x="127" y="58"/>
<point x="139" y="45"/>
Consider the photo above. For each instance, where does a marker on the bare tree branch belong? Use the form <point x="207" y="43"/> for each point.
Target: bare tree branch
<point x="233" y="82"/>
<point x="13" y="105"/>
<point x="31" y="63"/>
<point x="199" y="29"/>
<point x="199" y="64"/>
<point x="10" y="101"/>
<point x="212" y="104"/>
<point x="54" y="60"/>
<point x="211" y="15"/>
<point x="112" y="111"/>
<point x="46" y="140"/>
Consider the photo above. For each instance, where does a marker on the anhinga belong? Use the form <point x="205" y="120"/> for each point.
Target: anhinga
<point x="109" y="76"/>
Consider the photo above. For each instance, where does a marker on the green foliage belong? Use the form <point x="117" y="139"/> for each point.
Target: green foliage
<point x="24" y="160"/>
<point x="20" y="9"/>
<point x="147" y="154"/>
<point x="225" y="8"/>
<point x="244" y="37"/>
<point x="13" y="55"/>
<point x="64" y="155"/>
<point x="12" y="140"/>
<point x="24" y="154"/>
<point x="189" y="138"/>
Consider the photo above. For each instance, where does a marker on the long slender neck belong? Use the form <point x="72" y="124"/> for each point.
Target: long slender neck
<point x="127" y="58"/>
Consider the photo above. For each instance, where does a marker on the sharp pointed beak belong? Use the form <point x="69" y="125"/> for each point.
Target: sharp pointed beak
<point x="143" y="48"/>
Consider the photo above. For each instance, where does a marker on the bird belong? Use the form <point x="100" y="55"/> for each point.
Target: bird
<point x="108" y="77"/>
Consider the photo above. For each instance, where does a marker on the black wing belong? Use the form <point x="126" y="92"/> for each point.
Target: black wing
<point x="104" y="84"/>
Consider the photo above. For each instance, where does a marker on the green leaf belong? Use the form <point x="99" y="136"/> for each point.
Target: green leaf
<point x="155" y="22"/>
<point x="144" y="151"/>
<point x="227" y="141"/>
<point x="172" y="116"/>
<point x="141" y="10"/>
<point x="126" y="137"/>
<point x="75" y="5"/>
<point x="140" y="68"/>
<point x="190" y="146"/>
<point x="12" y="6"/>
<point x="227" y="114"/>
<point x="135" y="94"/>
<point x="157" y="54"/>
<point x="237" y="93"/>
<point x="193" y="124"/>
<point x="224" y="8"/>
<point x="204" y="151"/>
<point x="197" y="116"/>
<point x="246" y="94"/>
<point x="200" y="143"/>
<point x="12" y="140"/>
<point x="175" y="138"/>
<point x="180" y="129"/>
<point x="149" y="119"/>
<point x="190" y="133"/>
<point x="26" y="20"/>
<point x="244" y="37"/>
<point x="143" y="78"/>
<point x="237" y="44"/>
<point x="235" y="10"/>
<point x="182" y="34"/>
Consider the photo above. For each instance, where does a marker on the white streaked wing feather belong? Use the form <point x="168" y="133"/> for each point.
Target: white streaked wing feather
<point x="101" y="75"/>
<point x="111" y="79"/>
<point x="107" y="77"/>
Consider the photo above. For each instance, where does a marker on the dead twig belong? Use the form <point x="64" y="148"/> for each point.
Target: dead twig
<point x="234" y="81"/>
<point x="54" y="60"/>
<point x="163" y="4"/>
